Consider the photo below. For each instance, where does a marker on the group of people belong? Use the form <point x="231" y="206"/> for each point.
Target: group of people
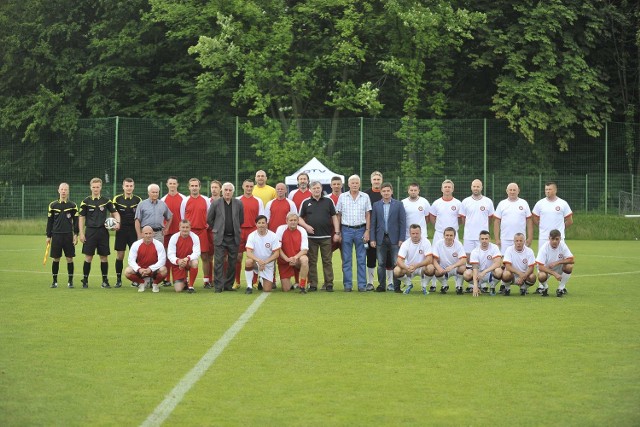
<point x="169" y="238"/>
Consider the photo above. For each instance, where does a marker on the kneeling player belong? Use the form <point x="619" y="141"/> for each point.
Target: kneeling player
<point x="263" y="248"/>
<point x="415" y="258"/>
<point x="449" y="260"/>
<point x="554" y="259"/>
<point x="184" y="251"/>
<point x="486" y="262"/>
<point x="146" y="261"/>
<point x="519" y="261"/>
<point x="294" y="245"/>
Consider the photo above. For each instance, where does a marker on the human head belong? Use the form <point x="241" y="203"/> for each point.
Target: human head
<point x="447" y="188"/>
<point x="554" y="238"/>
<point x="261" y="178"/>
<point x="153" y="190"/>
<point x="185" y="228"/>
<point x="261" y="224"/>
<point x="96" y="187"/>
<point x="550" y="190"/>
<point x="127" y="186"/>
<point x="281" y="190"/>
<point x="415" y="233"/>
<point x="316" y="189"/>
<point x="376" y="180"/>
<point x="449" y="234"/>
<point x="354" y="183"/>
<point x="413" y="191"/>
<point x="292" y="220"/>
<point x="485" y="239"/>
<point x="147" y="234"/>
<point x="215" y="187"/>
<point x="476" y="187"/>
<point x="194" y="187"/>
<point x="227" y="191"/>
<point x="518" y="241"/>
<point x="247" y="186"/>
<point x="386" y="191"/>
<point x="303" y="181"/>
<point x="63" y="191"/>
<point x="336" y="185"/>
<point x="513" y="191"/>
<point x="172" y="185"/>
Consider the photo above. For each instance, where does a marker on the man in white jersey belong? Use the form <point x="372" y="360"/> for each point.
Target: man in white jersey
<point x="551" y="213"/>
<point x="414" y="259"/>
<point x="486" y="261"/>
<point x="449" y="260"/>
<point x="512" y="216"/>
<point x="444" y="213"/>
<point x="263" y="248"/>
<point x="416" y="208"/>
<point x="554" y="259"/>
<point x="475" y="212"/>
<point x="519" y="261"/>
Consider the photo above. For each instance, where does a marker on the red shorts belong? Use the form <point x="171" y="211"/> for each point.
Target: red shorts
<point x="286" y="270"/>
<point x="203" y="235"/>
<point x="179" y="274"/>
<point x="244" y="235"/>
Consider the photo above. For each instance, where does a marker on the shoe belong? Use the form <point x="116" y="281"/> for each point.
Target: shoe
<point x="328" y="288"/>
<point x="134" y="284"/>
<point x="348" y="289"/>
<point x="432" y="288"/>
<point x="324" y="287"/>
<point x="217" y="290"/>
<point x="559" y="293"/>
<point x="380" y="288"/>
<point x="391" y="287"/>
<point x="304" y="290"/>
<point x="545" y="292"/>
<point x="85" y="283"/>
<point x="118" y="284"/>
<point x="54" y="285"/>
<point x="523" y="292"/>
<point x="207" y="285"/>
<point x="294" y="286"/>
<point x="506" y="292"/>
<point x="539" y="291"/>
<point x="275" y="286"/>
<point x="492" y="291"/>
<point x="166" y="283"/>
<point x="459" y="290"/>
<point x="425" y="291"/>
<point x="141" y="287"/>
<point x="369" y="287"/>
<point x="564" y="291"/>
<point x="502" y="288"/>
<point x="259" y="286"/>
<point x="236" y="285"/>
<point x="362" y="289"/>
<point x="312" y="288"/>
<point x="70" y="285"/>
<point x="484" y="290"/>
<point x="191" y="290"/>
<point x="444" y="289"/>
<point x="469" y="289"/>
<point x="155" y="288"/>
<point x="232" y="289"/>
<point x="248" y="291"/>
<point x="408" y="289"/>
<point x="105" y="285"/>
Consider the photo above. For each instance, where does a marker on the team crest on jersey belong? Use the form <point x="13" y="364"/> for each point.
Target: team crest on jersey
<point x="455" y="254"/>
<point x="453" y="208"/>
<point x="101" y="208"/>
<point x="558" y="208"/>
<point x="489" y="257"/>
<point x="524" y="261"/>
<point x="420" y="208"/>
<point x="68" y="215"/>
<point x="267" y="245"/>
<point x="560" y="256"/>
<point x="420" y="251"/>
<point x="521" y="208"/>
<point x="482" y="208"/>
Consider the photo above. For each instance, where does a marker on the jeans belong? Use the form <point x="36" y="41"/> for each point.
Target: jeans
<point x="350" y="237"/>
<point x="387" y="254"/>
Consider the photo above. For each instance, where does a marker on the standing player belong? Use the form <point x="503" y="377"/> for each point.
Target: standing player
<point x="486" y="261"/>
<point x="372" y="257"/>
<point x="294" y="245"/>
<point x="62" y="233"/>
<point x="519" y="261"/>
<point x="195" y="208"/>
<point x="512" y="216"/>
<point x="475" y="212"/>
<point x="173" y="199"/>
<point x="184" y="251"/>
<point x="336" y="191"/>
<point x="277" y="209"/>
<point x="146" y="261"/>
<point x="262" y="190"/>
<point x="551" y="213"/>
<point x="263" y="248"/>
<point x="252" y="208"/>
<point x="444" y="213"/>
<point x="416" y="208"/>
<point x="126" y="204"/>
<point x="449" y="259"/>
<point x="302" y="192"/>
<point x="216" y="192"/>
<point x="554" y="259"/>
<point x="415" y="258"/>
<point x="93" y="213"/>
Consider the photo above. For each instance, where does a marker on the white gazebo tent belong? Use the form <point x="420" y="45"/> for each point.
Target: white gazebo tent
<point x="317" y="172"/>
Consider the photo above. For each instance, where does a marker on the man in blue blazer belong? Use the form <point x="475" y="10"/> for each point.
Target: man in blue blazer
<point x="388" y="229"/>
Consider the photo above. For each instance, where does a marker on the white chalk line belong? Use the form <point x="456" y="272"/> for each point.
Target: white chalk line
<point x="175" y="396"/>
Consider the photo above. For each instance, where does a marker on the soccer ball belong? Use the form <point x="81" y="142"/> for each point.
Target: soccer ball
<point x="110" y="223"/>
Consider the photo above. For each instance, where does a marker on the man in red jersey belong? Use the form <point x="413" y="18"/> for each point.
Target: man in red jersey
<point x="294" y="245"/>
<point x="302" y="192"/>
<point x="173" y="199"/>
<point x="277" y="209"/>
<point x="195" y="209"/>
<point x="146" y="261"/>
<point x="183" y="253"/>
<point x="252" y="207"/>
<point x="336" y="191"/>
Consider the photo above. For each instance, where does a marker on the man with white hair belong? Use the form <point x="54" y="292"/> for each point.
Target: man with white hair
<point x="512" y="216"/>
<point x="153" y="212"/>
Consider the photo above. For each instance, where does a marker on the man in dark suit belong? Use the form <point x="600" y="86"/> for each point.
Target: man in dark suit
<point x="388" y="229"/>
<point x="224" y="218"/>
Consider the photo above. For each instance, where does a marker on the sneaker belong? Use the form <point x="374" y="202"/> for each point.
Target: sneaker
<point x="444" y="289"/>
<point x="259" y="285"/>
<point x="564" y="291"/>
<point x="236" y="286"/>
<point x="105" y="284"/>
<point x="459" y="290"/>
<point x="380" y="288"/>
<point x="492" y="291"/>
<point x="391" y="287"/>
<point x="85" y="283"/>
<point x="408" y="289"/>
<point x="54" y="285"/>
<point x="207" y="285"/>
<point x="134" y="284"/>
<point x="166" y="283"/>
<point x="469" y="289"/>
<point x="523" y="291"/>
<point x="118" y="284"/>
<point x="70" y="285"/>
<point x="348" y="289"/>
<point x="425" y="291"/>
<point x="248" y="291"/>
<point x="141" y="287"/>
<point x="506" y="292"/>
<point x="312" y="289"/>
<point x="329" y="288"/>
<point x="539" y="291"/>
<point x="304" y="290"/>
<point x="559" y="293"/>
<point x="369" y="287"/>
<point x="191" y="290"/>
<point x="484" y="290"/>
<point x="544" y="292"/>
<point x="294" y="286"/>
<point x="155" y="288"/>
<point x="502" y="289"/>
<point x="432" y="288"/>
<point x="324" y="287"/>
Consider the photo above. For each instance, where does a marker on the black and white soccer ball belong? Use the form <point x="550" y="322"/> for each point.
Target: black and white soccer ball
<point x="110" y="223"/>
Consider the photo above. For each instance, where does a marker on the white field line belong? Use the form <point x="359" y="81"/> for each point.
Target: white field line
<point x="174" y="397"/>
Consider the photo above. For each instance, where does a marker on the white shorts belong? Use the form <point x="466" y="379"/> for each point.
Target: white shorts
<point x="416" y="273"/>
<point x="470" y="245"/>
<point x="487" y="277"/>
<point x="504" y="244"/>
<point x="268" y="273"/>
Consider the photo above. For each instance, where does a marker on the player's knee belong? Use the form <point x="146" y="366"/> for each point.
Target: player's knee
<point x="568" y="268"/>
<point x="248" y="264"/>
<point x="429" y="270"/>
<point x="304" y="260"/>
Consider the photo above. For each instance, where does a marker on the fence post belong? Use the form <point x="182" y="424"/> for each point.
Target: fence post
<point x="606" y="166"/>
<point x="484" y="165"/>
<point x="22" y="203"/>
<point x="361" y="144"/>
<point x="586" y="192"/>
<point x="237" y="148"/>
<point x="115" y="157"/>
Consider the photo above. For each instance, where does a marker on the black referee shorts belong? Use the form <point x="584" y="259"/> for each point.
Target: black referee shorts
<point x="96" y="239"/>
<point x="60" y="243"/>
<point x="125" y="237"/>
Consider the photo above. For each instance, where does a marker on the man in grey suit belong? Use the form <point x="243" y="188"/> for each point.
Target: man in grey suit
<point x="388" y="230"/>
<point x="224" y="218"/>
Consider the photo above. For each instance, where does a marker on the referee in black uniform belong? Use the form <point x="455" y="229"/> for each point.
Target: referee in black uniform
<point x="93" y="213"/>
<point x="62" y="232"/>
<point x="126" y="204"/>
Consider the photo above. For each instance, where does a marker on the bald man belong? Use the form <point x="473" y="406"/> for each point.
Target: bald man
<point x="147" y="259"/>
<point x="475" y="212"/>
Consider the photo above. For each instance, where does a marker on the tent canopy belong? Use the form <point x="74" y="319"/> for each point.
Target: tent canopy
<point x="316" y="171"/>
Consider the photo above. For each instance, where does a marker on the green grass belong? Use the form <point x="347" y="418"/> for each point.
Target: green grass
<point x="109" y="357"/>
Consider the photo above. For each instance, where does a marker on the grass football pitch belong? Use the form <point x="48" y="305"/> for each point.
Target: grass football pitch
<point x="75" y="357"/>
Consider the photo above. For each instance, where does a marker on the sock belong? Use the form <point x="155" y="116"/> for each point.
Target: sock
<point x="193" y="273"/>
<point x="459" y="281"/>
<point x="563" y="280"/>
<point x="492" y="283"/>
<point x="210" y="271"/>
<point x="543" y="285"/>
<point x="507" y="286"/>
<point x="389" y="277"/>
<point x="104" y="268"/>
<point x="370" y="274"/>
<point x="70" y="269"/>
<point x="407" y="280"/>
<point x="443" y="281"/>
<point x="119" y="266"/>
<point x="424" y="280"/>
<point x="86" y="269"/>
<point x="238" y="269"/>
<point x="249" y="275"/>
<point x="55" y="267"/>
<point x="205" y="280"/>
<point x="303" y="283"/>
